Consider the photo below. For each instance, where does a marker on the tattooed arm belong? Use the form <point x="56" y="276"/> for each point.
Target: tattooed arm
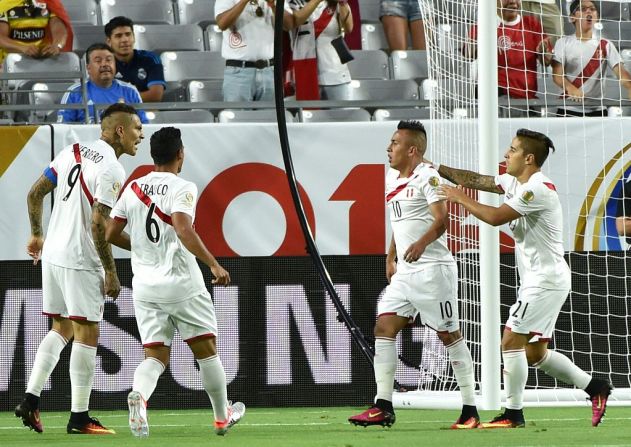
<point x="100" y="216"/>
<point x="35" y="203"/>
<point x="470" y="179"/>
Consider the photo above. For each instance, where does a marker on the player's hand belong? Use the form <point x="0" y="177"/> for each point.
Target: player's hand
<point x="111" y="284"/>
<point x="391" y="269"/>
<point x="222" y="277"/>
<point x="31" y="50"/>
<point x="453" y="194"/>
<point x="575" y="94"/>
<point x="414" y="252"/>
<point x="34" y="248"/>
<point x="49" y="51"/>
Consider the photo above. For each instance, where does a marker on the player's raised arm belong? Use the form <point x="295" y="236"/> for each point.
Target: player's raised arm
<point x="35" y="203"/>
<point x="183" y="225"/>
<point x="469" y="179"/>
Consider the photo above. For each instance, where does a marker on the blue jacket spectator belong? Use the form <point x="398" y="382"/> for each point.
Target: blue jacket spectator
<point x="139" y="67"/>
<point x="102" y="88"/>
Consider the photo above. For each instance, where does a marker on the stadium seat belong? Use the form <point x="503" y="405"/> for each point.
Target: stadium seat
<point x="618" y="32"/>
<point x="159" y="38"/>
<point x="140" y="11"/>
<point x="64" y="62"/>
<point x="86" y="35"/>
<point x="373" y="37"/>
<point x="82" y="12"/>
<point x="175" y="92"/>
<point x="252" y="116"/>
<point x="369" y="10"/>
<point x="197" y="12"/>
<point x="213" y="37"/>
<point x="189" y="65"/>
<point x="614" y="10"/>
<point x="334" y="115"/>
<point x="379" y="90"/>
<point x="41" y="93"/>
<point x="401" y="114"/>
<point x="409" y="65"/>
<point x="180" y="116"/>
<point x="369" y="64"/>
<point x="202" y="91"/>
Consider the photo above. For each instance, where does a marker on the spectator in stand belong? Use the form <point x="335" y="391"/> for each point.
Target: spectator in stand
<point x="623" y="215"/>
<point x="37" y="29"/>
<point x="248" y="47"/>
<point x="102" y="87"/>
<point x="580" y="61"/>
<point x="548" y="14"/>
<point x="398" y="17"/>
<point x="316" y="23"/>
<point x="521" y="43"/>
<point x="138" y="67"/>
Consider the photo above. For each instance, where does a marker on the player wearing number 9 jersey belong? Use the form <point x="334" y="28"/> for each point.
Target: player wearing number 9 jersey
<point x="77" y="263"/>
<point x="168" y="287"/>
<point x="423" y="280"/>
<point x="533" y="211"/>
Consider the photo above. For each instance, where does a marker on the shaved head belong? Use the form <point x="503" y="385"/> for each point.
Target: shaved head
<point x="118" y="114"/>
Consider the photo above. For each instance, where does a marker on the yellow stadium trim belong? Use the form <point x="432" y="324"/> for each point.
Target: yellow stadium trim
<point x="13" y="139"/>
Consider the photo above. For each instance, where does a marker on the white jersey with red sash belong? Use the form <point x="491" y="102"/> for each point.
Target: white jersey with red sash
<point x="164" y="270"/>
<point x="584" y="63"/>
<point x="408" y="200"/>
<point x="538" y="233"/>
<point x="83" y="174"/>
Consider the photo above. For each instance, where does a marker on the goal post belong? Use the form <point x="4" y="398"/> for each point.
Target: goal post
<point x="465" y="131"/>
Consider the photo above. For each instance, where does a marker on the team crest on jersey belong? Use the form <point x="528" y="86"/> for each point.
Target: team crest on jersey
<point x="433" y="182"/>
<point x="188" y="199"/>
<point x="142" y="74"/>
<point x="116" y="187"/>
<point x="527" y="196"/>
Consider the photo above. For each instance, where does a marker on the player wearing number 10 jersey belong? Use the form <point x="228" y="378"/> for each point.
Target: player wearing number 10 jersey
<point x="533" y="210"/>
<point x="168" y="287"/>
<point x="75" y="257"/>
<point x="422" y="280"/>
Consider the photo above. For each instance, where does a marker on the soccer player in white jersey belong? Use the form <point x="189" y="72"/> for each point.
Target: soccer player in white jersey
<point x="533" y="210"/>
<point x="422" y="273"/>
<point x="78" y="269"/>
<point x="168" y="287"/>
<point x="580" y="61"/>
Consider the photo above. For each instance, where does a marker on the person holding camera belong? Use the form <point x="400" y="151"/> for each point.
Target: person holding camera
<point x="320" y="53"/>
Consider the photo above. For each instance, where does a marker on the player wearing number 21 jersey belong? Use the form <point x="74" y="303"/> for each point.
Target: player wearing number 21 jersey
<point x="423" y="279"/>
<point x="168" y="287"/>
<point x="533" y="211"/>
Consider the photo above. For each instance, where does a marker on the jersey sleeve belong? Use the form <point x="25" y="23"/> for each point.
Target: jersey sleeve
<point x="613" y="56"/>
<point x="119" y="211"/>
<point x="70" y="115"/>
<point x="531" y="198"/>
<point x="430" y="181"/>
<point x="185" y="199"/>
<point x="108" y="186"/>
<point x="503" y="181"/>
<point x="558" y="55"/>
<point x="155" y="71"/>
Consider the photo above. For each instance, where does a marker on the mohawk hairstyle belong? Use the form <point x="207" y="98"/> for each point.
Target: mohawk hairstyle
<point x="413" y="125"/>
<point x="118" y="107"/>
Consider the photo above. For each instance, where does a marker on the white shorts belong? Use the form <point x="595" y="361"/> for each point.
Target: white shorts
<point x="71" y="293"/>
<point x="535" y="312"/>
<point x="432" y="292"/>
<point x="194" y="318"/>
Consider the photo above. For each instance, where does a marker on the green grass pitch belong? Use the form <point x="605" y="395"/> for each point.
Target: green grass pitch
<point x="297" y="427"/>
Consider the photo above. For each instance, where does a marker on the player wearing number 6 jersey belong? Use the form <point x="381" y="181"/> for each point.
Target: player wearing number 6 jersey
<point x="533" y="211"/>
<point x="75" y="256"/>
<point x="168" y="287"/>
<point x="422" y="274"/>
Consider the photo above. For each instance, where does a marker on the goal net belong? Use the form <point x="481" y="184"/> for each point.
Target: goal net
<point x="591" y="163"/>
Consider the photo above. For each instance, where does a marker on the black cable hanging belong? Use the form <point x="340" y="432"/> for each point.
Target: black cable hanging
<point x="343" y="315"/>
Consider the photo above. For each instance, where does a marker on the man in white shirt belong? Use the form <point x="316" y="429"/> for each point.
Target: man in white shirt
<point x="248" y="48"/>
<point x="423" y="276"/>
<point x="532" y="207"/>
<point x="168" y="287"/>
<point x="580" y="61"/>
<point x="77" y="264"/>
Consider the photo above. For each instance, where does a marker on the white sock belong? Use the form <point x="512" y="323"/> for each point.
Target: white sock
<point x="462" y="365"/>
<point x="515" y="377"/>
<point x="146" y="376"/>
<point x="82" y="363"/>
<point x="385" y="366"/>
<point x="45" y="361"/>
<point x="214" y="381"/>
<point x="560" y="367"/>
